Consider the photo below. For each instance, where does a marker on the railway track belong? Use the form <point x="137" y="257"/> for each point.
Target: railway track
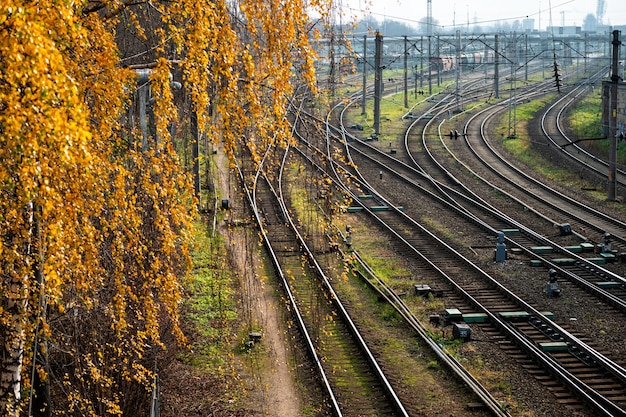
<point x="377" y="202"/>
<point x="574" y="371"/>
<point x="552" y="127"/>
<point x="353" y="383"/>
<point x="565" y="256"/>
<point x="585" y="220"/>
<point x="484" y="297"/>
<point x="385" y="292"/>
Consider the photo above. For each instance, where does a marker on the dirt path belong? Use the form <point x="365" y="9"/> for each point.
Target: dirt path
<point x="271" y="385"/>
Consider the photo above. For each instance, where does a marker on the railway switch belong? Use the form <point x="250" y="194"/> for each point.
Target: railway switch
<point x="552" y="286"/>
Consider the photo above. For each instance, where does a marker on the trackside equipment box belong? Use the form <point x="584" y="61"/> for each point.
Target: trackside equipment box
<point x="461" y="331"/>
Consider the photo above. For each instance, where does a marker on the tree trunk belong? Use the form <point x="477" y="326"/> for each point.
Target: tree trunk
<point x="16" y="306"/>
<point x="11" y="357"/>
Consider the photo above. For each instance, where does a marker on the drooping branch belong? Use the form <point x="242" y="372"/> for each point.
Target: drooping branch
<point x="109" y="13"/>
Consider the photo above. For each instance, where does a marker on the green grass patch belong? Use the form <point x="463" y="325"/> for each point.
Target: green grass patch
<point x="391" y="111"/>
<point x="514" y="122"/>
<point x="521" y="146"/>
<point x="210" y="307"/>
<point x="385" y="268"/>
<point x="586" y="123"/>
<point x="394" y="342"/>
<point x="587" y="117"/>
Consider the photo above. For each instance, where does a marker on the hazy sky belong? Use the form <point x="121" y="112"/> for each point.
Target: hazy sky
<point x="485" y="12"/>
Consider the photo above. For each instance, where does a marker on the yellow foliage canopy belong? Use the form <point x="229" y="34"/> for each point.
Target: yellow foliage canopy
<point x="94" y="223"/>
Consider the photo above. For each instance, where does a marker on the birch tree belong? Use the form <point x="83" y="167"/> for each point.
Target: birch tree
<point x="95" y="224"/>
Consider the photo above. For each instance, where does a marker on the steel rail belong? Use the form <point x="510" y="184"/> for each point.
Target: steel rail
<point x="489" y="401"/>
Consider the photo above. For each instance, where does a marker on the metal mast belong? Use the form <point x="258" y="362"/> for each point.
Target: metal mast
<point x="429" y="17"/>
<point x="378" y="81"/>
<point x="600" y="11"/>
<point x="615" y="78"/>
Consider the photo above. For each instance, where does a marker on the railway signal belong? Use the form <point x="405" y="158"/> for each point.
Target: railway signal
<point x="552" y="286"/>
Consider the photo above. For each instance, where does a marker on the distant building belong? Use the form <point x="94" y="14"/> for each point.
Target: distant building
<point x="564" y="30"/>
<point x="528" y="25"/>
<point x="621" y="108"/>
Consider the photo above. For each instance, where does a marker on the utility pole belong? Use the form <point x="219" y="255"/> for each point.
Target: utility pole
<point x="421" y="62"/>
<point x="331" y="59"/>
<point x="513" y="83"/>
<point x="430" y="69"/>
<point x="457" y="90"/>
<point x="586" y="52"/>
<point x="378" y="81"/>
<point x="526" y="57"/>
<point x="486" y="60"/>
<point x="364" y="98"/>
<point x="496" y="65"/>
<point x="406" y="74"/>
<point x="615" y="77"/>
<point x="544" y="48"/>
<point x="438" y="53"/>
<point x="429" y="32"/>
<point x="429" y="17"/>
